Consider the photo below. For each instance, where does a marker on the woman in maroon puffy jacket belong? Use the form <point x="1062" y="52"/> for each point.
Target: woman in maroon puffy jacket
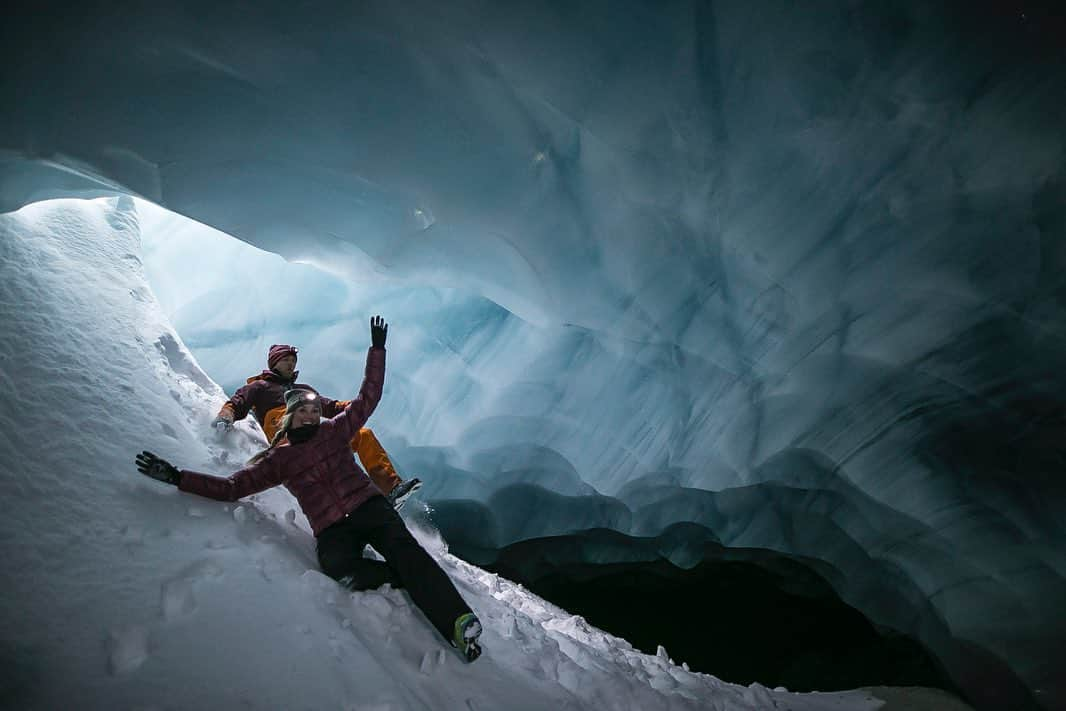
<point x="345" y="511"/>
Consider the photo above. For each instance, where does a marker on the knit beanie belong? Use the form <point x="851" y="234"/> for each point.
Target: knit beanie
<point x="277" y="352"/>
<point x="300" y="396"/>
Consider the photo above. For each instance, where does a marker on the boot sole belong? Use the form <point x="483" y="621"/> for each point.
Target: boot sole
<point x="399" y="502"/>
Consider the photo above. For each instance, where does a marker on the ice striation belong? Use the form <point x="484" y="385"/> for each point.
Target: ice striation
<point x="790" y="273"/>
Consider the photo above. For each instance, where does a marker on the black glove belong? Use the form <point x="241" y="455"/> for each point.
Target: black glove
<point x="151" y="465"/>
<point x="378" y="331"/>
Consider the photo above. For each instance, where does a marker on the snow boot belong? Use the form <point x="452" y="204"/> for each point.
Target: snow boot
<point x="402" y="491"/>
<point x="465" y="636"/>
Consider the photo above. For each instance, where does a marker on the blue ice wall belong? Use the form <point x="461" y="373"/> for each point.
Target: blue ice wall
<point x="789" y="270"/>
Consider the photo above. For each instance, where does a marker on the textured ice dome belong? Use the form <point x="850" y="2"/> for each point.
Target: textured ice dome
<point x="791" y="272"/>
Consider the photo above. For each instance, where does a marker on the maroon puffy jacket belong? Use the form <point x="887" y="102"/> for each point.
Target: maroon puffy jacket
<point x="266" y="392"/>
<point x="321" y="472"/>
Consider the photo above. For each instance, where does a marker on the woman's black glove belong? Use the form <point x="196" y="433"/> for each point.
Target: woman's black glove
<point x="151" y="465"/>
<point x="378" y="331"/>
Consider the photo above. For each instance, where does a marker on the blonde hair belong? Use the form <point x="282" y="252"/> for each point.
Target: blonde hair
<point x="286" y="422"/>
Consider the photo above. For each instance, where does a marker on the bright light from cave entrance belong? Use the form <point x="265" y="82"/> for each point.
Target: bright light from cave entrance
<point x="230" y="301"/>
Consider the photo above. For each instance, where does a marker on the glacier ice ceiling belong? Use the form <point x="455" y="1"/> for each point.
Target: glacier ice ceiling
<point x="791" y="274"/>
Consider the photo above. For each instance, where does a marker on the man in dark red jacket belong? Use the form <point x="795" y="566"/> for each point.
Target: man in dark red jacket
<point x="264" y="396"/>
<point x="346" y="512"/>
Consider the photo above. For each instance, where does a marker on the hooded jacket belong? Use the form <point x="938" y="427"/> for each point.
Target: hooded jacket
<point x="321" y="473"/>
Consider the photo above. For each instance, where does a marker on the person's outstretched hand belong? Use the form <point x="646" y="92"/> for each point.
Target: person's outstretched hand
<point x="160" y="469"/>
<point x="379" y="330"/>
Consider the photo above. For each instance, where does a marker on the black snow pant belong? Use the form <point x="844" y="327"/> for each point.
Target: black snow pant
<point x="340" y="553"/>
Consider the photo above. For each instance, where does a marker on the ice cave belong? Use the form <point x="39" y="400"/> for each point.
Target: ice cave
<point x="727" y="339"/>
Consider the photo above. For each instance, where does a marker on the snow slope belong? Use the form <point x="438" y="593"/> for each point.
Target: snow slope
<point x="124" y="593"/>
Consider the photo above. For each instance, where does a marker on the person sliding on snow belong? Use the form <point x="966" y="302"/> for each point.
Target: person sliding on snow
<point x="264" y="396"/>
<point x="346" y="511"/>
